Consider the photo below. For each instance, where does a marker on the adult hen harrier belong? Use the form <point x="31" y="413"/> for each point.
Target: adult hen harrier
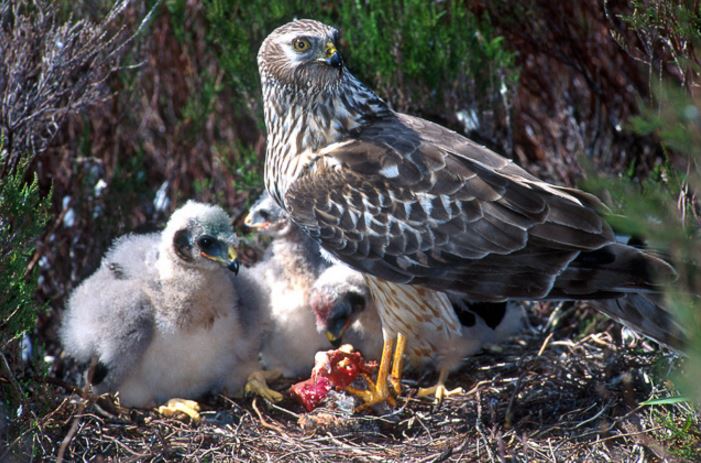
<point x="409" y="202"/>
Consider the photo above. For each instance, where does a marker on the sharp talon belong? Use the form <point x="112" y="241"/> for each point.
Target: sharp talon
<point x="396" y="386"/>
<point x="378" y="391"/>
<point x="175" y="407"/>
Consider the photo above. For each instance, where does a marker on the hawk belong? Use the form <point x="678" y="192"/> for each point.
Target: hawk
<point x="161" y="318"/>
<point x="411" y="203"/>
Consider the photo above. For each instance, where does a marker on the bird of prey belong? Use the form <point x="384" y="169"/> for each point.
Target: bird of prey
<point x="409" y="202"/>
<point x="344" y="310"/>
<point x="161" y="318"/>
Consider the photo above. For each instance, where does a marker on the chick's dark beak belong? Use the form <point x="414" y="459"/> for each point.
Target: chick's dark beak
<point x="221" y="252"/>
<point x="333" y="340"/>
<point x="233" y="264"/>
<point x="338" y="321"/>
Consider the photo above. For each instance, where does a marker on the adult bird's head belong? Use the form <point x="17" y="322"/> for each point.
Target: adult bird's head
<point x="302" y="54"/>
<point x="201" y="236"/>
<point x="310" y="98"/>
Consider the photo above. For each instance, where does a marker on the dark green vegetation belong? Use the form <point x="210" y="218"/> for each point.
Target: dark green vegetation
<point x="109" y="120"/>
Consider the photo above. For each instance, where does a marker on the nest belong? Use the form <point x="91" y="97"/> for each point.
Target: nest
<point x="568" y="389"/>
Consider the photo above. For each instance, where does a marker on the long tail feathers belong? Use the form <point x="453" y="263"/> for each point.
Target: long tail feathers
<point x="611" y="270"/>
<point x="643" y="314"/>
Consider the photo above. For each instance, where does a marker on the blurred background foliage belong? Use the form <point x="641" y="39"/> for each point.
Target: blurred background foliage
<point x="137" y="106"/>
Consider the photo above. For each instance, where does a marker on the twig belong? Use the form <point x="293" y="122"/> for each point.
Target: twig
<point x="71" y="432"/>
<point x="545" y="343"/>
<point x="262" y="420"/>
<point x="16" y="388"/>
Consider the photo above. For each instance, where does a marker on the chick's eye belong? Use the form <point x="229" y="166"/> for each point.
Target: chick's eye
<point x="205" y="242"/>
<point x="301" y="45"/>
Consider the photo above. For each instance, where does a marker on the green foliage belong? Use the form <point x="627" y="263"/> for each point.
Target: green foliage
<point x="391" y="44"/>
<point x="201" y="105"/>
<point x="678" y="17"/>
<point x="178" y="13"/>
<point x="236" y="29"/>
<point x="437" y="46"/>
<point x="679" y="430"/>
<point x="23" y="215"/>
<point x="664" y="209"/>
<point x="665" y="401"/>
<point x="666" y="34"/>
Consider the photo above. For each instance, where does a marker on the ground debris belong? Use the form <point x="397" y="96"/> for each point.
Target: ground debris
<point x="575" y="397"/>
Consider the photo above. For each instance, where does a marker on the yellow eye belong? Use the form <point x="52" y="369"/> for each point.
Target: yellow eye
<point x="301" y="45"/>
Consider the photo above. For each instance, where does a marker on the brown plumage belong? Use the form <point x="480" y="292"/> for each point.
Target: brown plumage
<point x="411" y="202"/>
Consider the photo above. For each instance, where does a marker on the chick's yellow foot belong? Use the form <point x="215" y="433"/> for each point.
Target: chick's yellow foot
<point x="181" y="407"/>
<point x="257" y="384"/>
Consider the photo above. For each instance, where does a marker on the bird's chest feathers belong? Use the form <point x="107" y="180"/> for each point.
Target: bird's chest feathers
<point x="297" y="134"/>
<point x="192" y="300"/>
<point x="424" y="316"/>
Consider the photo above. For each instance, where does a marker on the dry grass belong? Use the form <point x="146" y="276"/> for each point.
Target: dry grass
<point x="558" y="392"/>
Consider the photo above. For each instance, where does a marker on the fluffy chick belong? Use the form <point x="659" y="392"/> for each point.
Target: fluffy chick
<point x="279" y="283"/>
<point x="161" y="317"/>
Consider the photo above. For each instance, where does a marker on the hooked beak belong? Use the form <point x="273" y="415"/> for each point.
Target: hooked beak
<point x="233" y="263"/>
<point x="336" y="329"/>
<point x="335" y="341"/>
<point x="331" y="56"/>
<point x="229" y="259"/>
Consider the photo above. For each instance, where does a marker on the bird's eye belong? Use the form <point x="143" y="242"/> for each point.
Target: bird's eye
<point x="301" y="45"/>
<point x="205" y="242"/>
<point x="357" y="302"/>
<point x="264" y="215"/>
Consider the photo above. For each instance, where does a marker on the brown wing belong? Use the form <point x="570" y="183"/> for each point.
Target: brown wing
<point x="412" y="202"/>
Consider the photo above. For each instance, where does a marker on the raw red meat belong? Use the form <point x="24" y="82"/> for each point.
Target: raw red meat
<point x="333" y="369"/>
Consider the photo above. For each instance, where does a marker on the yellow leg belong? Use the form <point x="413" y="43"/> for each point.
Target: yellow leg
<point x="257" y="384"/>
<point x="378" y="391"/>
<point x="398" y="364"/>
<point x="176" y="407"/>
<point x="439" y="391"/>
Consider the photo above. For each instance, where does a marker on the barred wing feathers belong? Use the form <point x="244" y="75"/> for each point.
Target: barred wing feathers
<point x="412" y="202"/>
